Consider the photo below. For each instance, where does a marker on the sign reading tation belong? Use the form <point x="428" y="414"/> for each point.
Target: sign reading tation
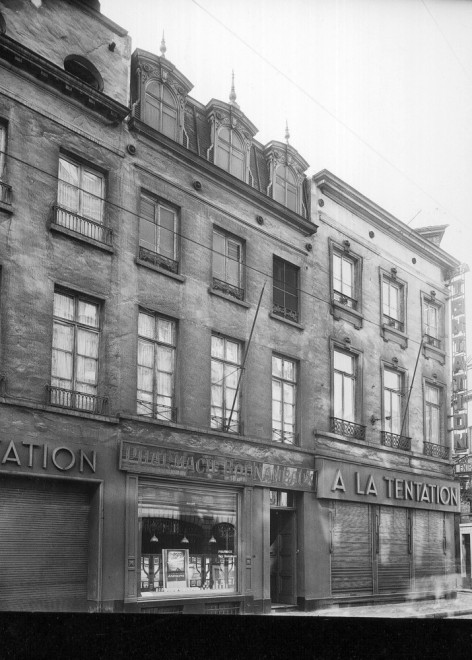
<point x="168" y="462"/>
<point x="371" y="485"/>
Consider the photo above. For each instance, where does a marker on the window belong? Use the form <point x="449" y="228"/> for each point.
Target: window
<point x="80" y="200"/>
<point x="433" y="431"/>
<point x="188" y="539"/>
<point x="160" y="109"/>
<point x="392" y="393"/>
<point x="431" y="322"/>
<point x="344" y="289"/>
<point x="76" y="334"/>
<point x="284" y="397"/>
<point x="286" y="283"/>
<point x="344" y="386"/>
<point x="230" y="152"/>
<point x="286" y="188"/>
<point x="228" y="264"/>
<point x="156" y="366"/>
<point x="3" y="149"/>
<point x="393" y="303"/>
<point x="158" y="234"/>
<point x="225" y="395"/>
<point x="84" y="70"/>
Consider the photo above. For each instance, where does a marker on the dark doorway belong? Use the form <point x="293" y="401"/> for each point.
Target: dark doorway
<point x="282" y="557"/>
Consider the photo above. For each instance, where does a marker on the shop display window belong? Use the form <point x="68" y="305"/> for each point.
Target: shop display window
<point x="188" y="540"/>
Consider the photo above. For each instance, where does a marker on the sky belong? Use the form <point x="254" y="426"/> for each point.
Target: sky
<point x="379" y="92"/>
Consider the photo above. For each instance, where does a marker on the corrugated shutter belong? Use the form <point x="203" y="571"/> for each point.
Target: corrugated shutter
<point x="394" y="556"/>
<point x="428" y="548"/>
<point x="351" y="557"/>
<point x="44" y="535"/>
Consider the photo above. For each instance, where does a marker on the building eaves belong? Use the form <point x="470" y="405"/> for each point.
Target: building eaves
<point x="354" y="201"/>
<point x="20" y="57"/>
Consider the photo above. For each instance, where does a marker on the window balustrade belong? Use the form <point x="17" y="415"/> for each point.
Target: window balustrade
<point x="435" y="450"/>
<point x="229" y="289"/>
<point x="395" y="441"/>
<point x="82" y="226"/>
<point x="158" y="260"/>
<point x="64" y="398"/>
<point x="348" y="429"/>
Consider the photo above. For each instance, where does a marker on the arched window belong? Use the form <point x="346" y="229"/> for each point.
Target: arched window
<point x="84" y="70"/>
<point x="229" y="152"/>
<point x="285" y="187"/>
<point x="160" y="109"/>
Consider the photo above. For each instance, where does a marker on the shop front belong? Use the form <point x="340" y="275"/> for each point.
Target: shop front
<point x="208" y="534"/>
<point x="389" y="534"/>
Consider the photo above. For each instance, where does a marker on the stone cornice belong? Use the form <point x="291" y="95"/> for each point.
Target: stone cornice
<point x="228" y="110"/>
<point x="354" y="201"/>
<point x="290" y="155"/>
<point x="155" y="63"/>
<point x="30" y="62"/>
<point x="232" y="183"/>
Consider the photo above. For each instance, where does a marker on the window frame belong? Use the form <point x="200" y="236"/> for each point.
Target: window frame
<point x="295" y="384"/>
<point x="83" y="166"/>
<point x="285" y="187"/>
<point x="229" y="153"/>
<point x="3" y="149"/>
<point x="220" y="284"/>
<point x="156" y="343"/>
<point x="403" y="375"/>
<point x="293" y="316"/>
<point x="441" y="388"/>
<point x="342" y="309"/>
<point x="160" y="104"/>
<point x="357" y="355"/>
<point x="159" y="203"/>
<point x="226" y="363"/>
<point x="434" y="347"/>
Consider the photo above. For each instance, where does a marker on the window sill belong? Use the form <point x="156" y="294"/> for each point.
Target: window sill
<point x="434" y="353"/>
<point x="348" y="314"/>
<point x="287" y="321"/>
<point x="220" y="294"/>
<point x="162" y="271"/>
<point x="13" y="401"/>
<point x="390" y="333"/>
<point x="81" y="237"/>
<point x="6" y="207"/>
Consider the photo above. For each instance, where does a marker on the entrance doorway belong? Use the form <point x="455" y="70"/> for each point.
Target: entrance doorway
<point x="282" y="557"/>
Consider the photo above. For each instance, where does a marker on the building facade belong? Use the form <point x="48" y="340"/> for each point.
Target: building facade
<point x="224" y="385"/>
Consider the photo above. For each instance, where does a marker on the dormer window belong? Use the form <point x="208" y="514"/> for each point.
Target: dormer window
<point x="81" y="68"/>
<point x="285" y="187"/>
<point x="229" y="152"/>
<point x="160" y="109"/>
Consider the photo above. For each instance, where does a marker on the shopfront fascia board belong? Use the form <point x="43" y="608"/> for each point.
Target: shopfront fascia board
<point x="161" y="461"/>
<point x="337" y="480"/>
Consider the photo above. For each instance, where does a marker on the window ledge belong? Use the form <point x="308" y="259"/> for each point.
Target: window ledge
<point x="162" y="271"/>
<point x="287" y="321"/>
<point x="390" y="333"/>
<point x="339" y="312"/>
<point x="6" y="207"/>
<point x="13" y="401"/>
<point x="81" y="237"/>
<point x="232" y="299"/>
<point x="435" y="353"/>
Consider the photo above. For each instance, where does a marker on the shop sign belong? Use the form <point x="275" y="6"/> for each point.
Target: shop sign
<point x="167" y="462"/>
<point x="345" y="481"/>
<point x="35" y="455"/>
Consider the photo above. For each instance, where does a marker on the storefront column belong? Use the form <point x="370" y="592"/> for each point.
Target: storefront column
<point x="314" y="557"/>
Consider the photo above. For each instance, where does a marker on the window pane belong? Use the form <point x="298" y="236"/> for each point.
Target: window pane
<point x="289" y="393"/>
<point x="165" y="359"/>
<point x="146" y="325"/>
<point x="432" y="394"/>
<point x="87" y="313"/>
<point x="86" y="370"/>
<point x="337" y="281"/>
<point x="169" y="122"/>
<point x="164" y="384"/>
<point x="217" y="372"/>
<point x="348" y="399"/>
<point x="145" y="378"/>
<point x="343" y="362"/>
<point x="147" y="209"/>
<point x="61" y="365"/>
<point x="165" y="330"/>
<point x="167" y="236"/>
<point x="276" y="366"/>
<point x="147" y="234"/>
<point x="347" y="277"/>
<point x="232" y="351"/>
<point x="276" y="390"/>
<point x="391" y="379"/>
<point x="63" y="337"/>
<point x="152" y="112"/>
<point x="63" y="306"/>
<point x="217" y="347"/>
<point x="338" y="396"/>
<point x="145" y="353"/>
<point x="87" y="343"/>
<point x="68" y="172"/>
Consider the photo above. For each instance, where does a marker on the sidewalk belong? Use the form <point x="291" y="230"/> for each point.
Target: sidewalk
<point x="424" y="609"/>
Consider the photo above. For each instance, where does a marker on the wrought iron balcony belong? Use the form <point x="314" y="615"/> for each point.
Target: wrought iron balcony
<point x="156" y="411"/>
<point x="82" y="226"/>
<point x="221" y="423"/>
<point x="432" y="341"/>
<point x="342" y="299"/>
<point x="63" y="398"/>
<point x="228" y="289"/>
<point x="284" y="436"/>
<point x="438" y="451"/>
<point x="348" y="429"/>
<point x="5" y="193"/>
<point x="396" y="441"/>
<point x="158" y="260"/>
<point x="393" y="323"/>
<point x="290" y="314"/>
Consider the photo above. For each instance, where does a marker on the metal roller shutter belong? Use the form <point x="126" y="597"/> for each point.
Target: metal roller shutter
<point x="428" y="548"/>
<point x="43" y="544"/>
<point x="351" y="557"/>
<point x="394" y="558"/>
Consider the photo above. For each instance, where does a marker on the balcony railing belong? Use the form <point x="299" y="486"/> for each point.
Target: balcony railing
<point x="342" y="299"/>
<point x="221" y="424"/>
<point x="348" y="429"/>
<point x="158" y="260"/>
<point x="433" y="449"/>
<point x="393" y="323"/>
<point x="156" y="411"/>
<point x="291" y="314"/>
<point x="396" y="441"/>
<point x="432" y="341"/>
<point x="228" y="289"/>
<point x="5" y="193"/>
<point x="284" y="436"/>
<point x="82" y="226"/>
<point x="58" y="396"/>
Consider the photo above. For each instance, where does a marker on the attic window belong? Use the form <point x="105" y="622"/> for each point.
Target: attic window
<point x="81" y="68"/>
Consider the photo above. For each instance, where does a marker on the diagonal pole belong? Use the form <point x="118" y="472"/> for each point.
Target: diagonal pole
<point x="411" y="386"/>
<point x="244" y="359"/>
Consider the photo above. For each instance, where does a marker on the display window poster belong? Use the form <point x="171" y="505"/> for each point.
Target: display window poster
<point x="175" y="568"/>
